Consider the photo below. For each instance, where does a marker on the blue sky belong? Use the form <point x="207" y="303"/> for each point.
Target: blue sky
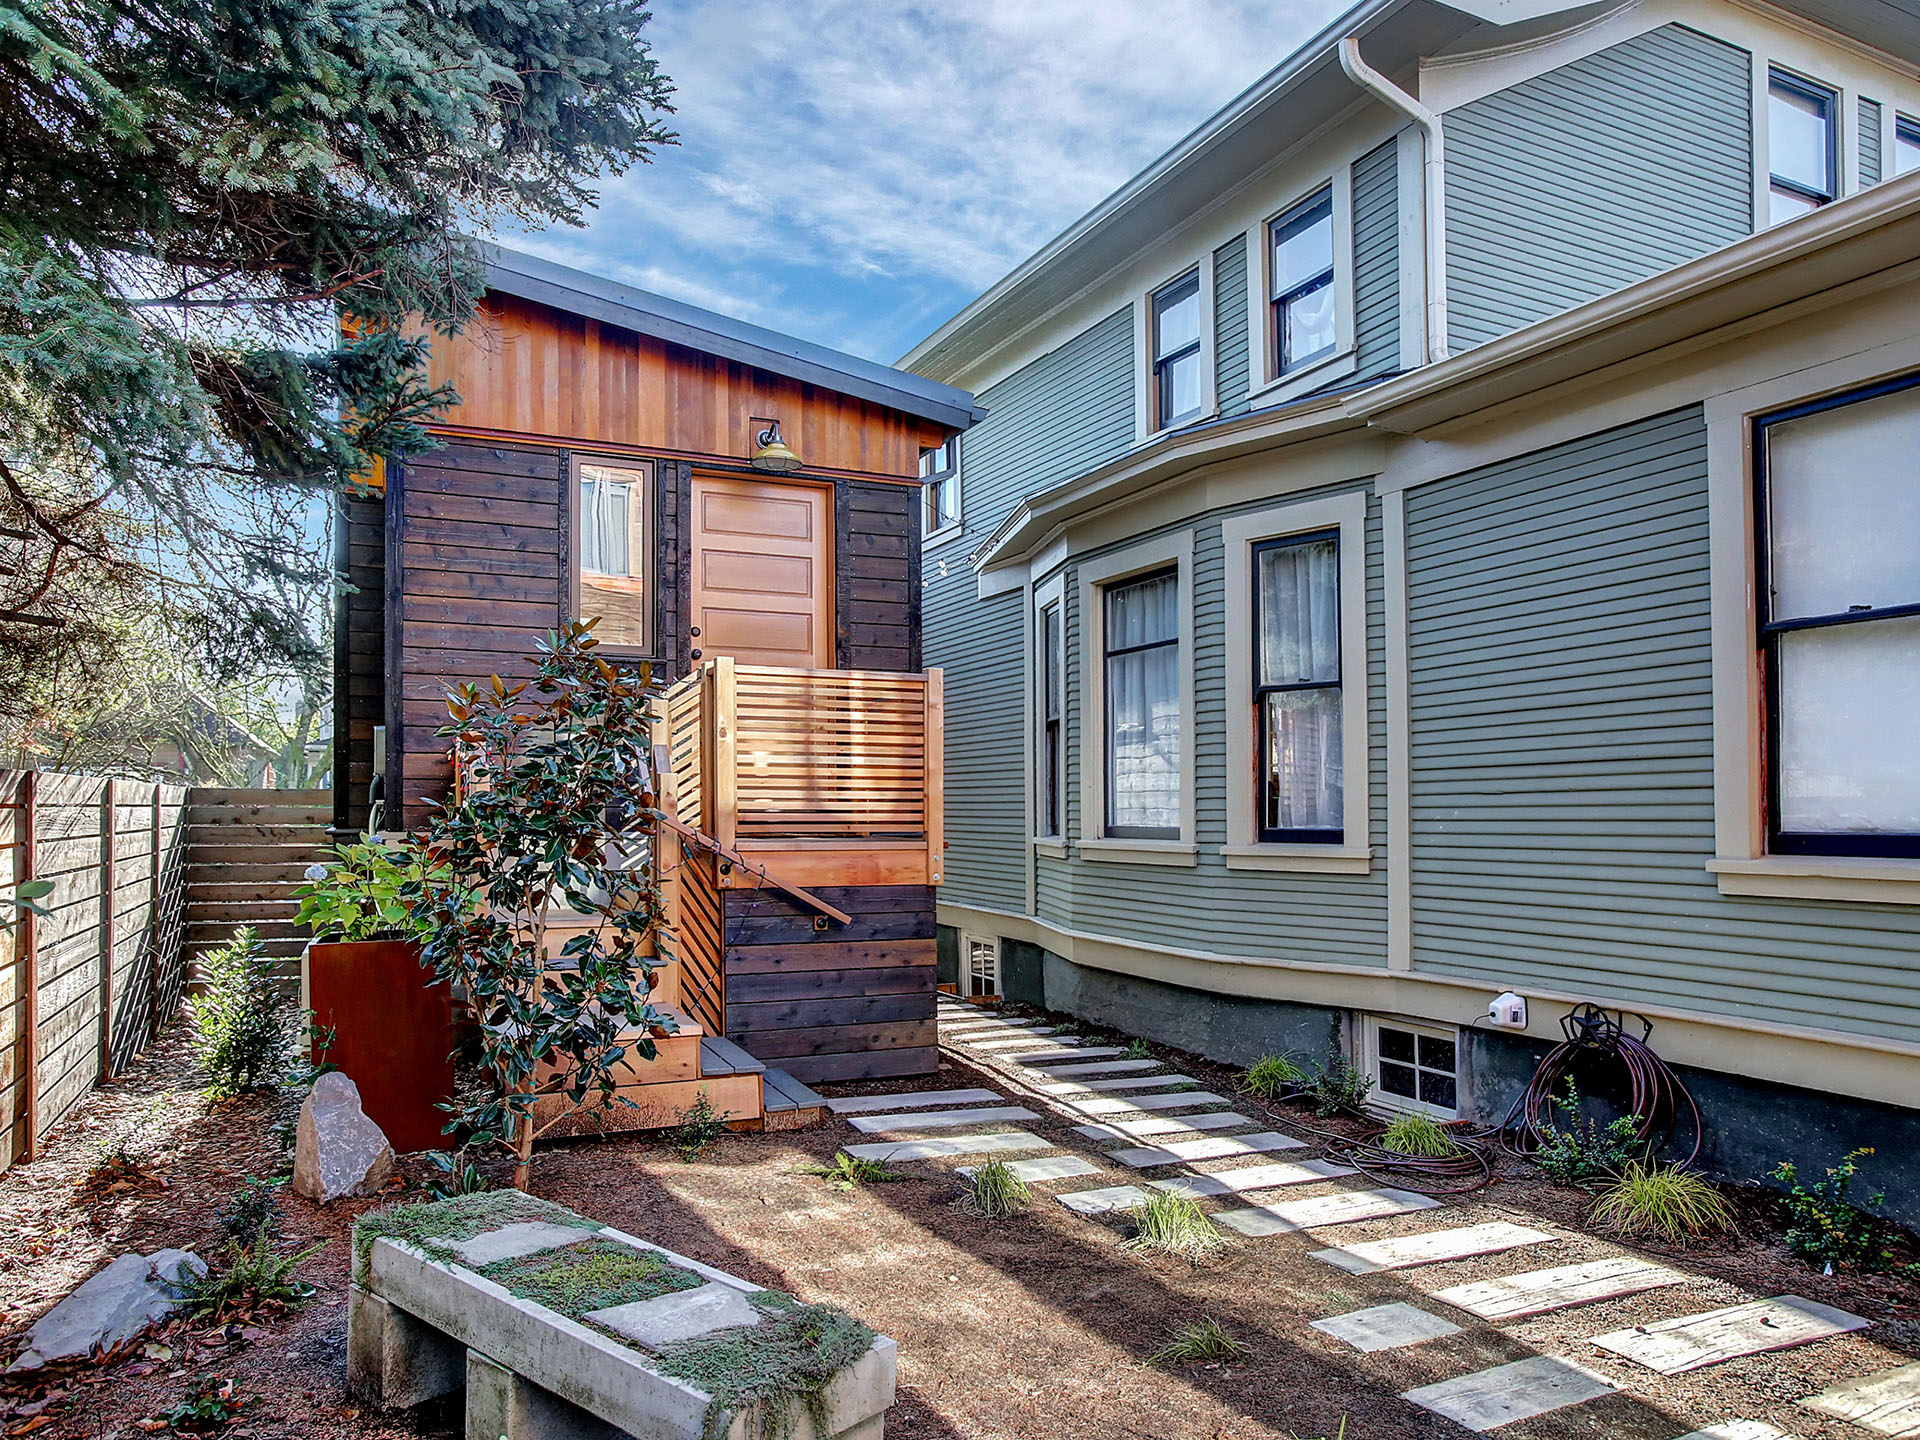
<point x="854" y="171"/>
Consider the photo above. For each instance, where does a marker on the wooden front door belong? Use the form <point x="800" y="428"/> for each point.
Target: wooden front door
<point x="762" y="587"/>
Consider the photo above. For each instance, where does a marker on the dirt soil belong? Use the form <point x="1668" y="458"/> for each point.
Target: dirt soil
<point x="1036" y="1328"/>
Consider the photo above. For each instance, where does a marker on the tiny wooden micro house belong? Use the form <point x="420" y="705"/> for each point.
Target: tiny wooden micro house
<point x="602" y="461"/>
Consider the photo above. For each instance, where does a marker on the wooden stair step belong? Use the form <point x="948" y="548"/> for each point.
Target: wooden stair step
<point x="720" y="1056"/>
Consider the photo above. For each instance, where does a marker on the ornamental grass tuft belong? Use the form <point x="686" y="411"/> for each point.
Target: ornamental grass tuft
<point x="1173" y="1225"/>
<point x="1199" y="1342"/>
<point x="994" y="1192"/>
<point x="1418" y="1135"/>
<point x="1663" y="1201"/>
<point x="1272" y="1076"/>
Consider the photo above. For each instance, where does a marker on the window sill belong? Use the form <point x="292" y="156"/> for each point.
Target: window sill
<point x="1050" y="845"/>
<point x="941" y="536"/>
<point x="1152" y="436"/>
<point x="1320" y="859"/>
<point x="1821" y="877"/>
<point x="1298" y="382"/>
<point x="1141" y="852"/>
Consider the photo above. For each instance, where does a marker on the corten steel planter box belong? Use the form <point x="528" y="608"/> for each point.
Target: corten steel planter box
<point x="392" y="1033"/>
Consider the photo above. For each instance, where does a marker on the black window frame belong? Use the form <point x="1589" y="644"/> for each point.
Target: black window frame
<point x="1829" y="98"/>
<point x="1768" y="632"/>
<point x="1907" y="128"/>
<point x="1293" y="835"/>
<point x="1107" y="653"/>
<point x="649" y="559"/>
<point x="1283" y="364"/>
<point x="1160" y="300"/>
<point x="940" y="481"/>
<point x="1052" y="719"/>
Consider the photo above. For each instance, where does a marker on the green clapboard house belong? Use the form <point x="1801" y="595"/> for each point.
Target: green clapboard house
<point x="1452" y="527"/>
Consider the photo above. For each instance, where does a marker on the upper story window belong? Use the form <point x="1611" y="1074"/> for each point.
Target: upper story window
<point x="940" y="476"/>
<point x="612" y="571"/>
<point x="1840" y="622"/>
<point x="1178" y="391"/>
<point x="1906" y="145"/>
<point x="1141" y="638"/>
<point x="1302" y="291"/>
<point x="1297" y="689"/>
<point x="1800" y="145"/>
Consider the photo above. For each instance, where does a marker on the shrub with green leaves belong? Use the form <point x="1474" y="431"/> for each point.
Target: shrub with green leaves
<point x="1272" y="1076"/>
<point x="995" y="1192"/>
<point x="359" y="895"/>
<point x="1198" y="1342"/>
<point x="1827" y="1229"/>
<point x="244" y="1018"/>
<point x="1172" y="1224"/>
<point x="1340" y="1085"/>
<point x="1581" y="1150"/>
<point x="1418" y="1135"/>
<point x="1662" y="1201"/>
<point x="847" y="1172"/>
<point x="700" y="1128"/>
<point x="249" y="1276"/>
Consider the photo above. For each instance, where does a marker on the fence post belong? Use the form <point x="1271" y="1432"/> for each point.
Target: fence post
<point x="110" y="838"/>
<point x="153" y="925"/>
<point x="933" y="756"/>
<point x="29" y="972"/>
<point x="724" y="821"/>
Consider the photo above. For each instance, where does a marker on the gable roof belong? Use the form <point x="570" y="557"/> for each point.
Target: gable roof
<point x="527" y="277"/>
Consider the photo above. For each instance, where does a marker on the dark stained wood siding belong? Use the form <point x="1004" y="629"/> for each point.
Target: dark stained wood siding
<point x="876" y="565"/>
<point x="359" y="654"/>
<point x="845" y="1003"/>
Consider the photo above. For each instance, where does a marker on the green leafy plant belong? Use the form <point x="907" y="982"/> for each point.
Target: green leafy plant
<point x="769" y="1370"/>
<point x="1418" y="1135"/>
<point x="1584" y="1150"/>
<point x="1199" y="1342"/>
<point x="429" y="1224"/>
<point x="1663" y="1201"/>
<point x="589" y="1275"/>
<point x="362" y="894"/>
<point x="211" y="1403"/>
<point x="847" y="1172"/>
<point x="255" y="1204"/>
<point x="556" y="789"/>
<point x="1138" y="1049"/>
<point x="994" y="1192"/>
<point x="458" y="1176"/>
<point x="244" y="1018"/>
<point x="249" y="1276"/>
<point x="1173" y="1225"/>
<point x="1272" y="1076"/>
<point x="1827" y="1229"/>
<point x="1340" y="1085"/>
<point x="700" y="1128"/>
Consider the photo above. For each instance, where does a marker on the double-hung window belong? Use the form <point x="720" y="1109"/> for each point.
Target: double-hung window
<point x="1800" y="146"/>
<point x="1052" y="684"/>
<point x="1906" y="144"/>
<point x="1302" y="294"/>
<point x="1177" y="388"/>
<point x="1142" y="707"/>
<point x="1840" y="621"/>
<point x="1297" y="689"/>
<point x="940" y="485"/>
<point x="612" y="570"/>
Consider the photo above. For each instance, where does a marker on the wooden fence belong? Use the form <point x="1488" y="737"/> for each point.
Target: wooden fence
<point x="246" y="852"/>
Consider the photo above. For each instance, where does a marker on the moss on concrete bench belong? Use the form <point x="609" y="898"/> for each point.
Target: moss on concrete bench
<point x="559" y="1328"/>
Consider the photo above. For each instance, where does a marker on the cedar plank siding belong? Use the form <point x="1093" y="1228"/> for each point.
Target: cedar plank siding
<point x="359" y="654"/>
<point x="852" y="1003"/>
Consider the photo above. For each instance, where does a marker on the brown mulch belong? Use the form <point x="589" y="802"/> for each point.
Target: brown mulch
<point x="1038" y="1328"/>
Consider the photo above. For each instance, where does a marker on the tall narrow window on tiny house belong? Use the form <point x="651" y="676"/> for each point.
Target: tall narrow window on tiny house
<point x="1840" y="622"/>
<point x="940" y="482"/>
<point x="1906" y="144"/>
<point x="1177" y="388"/>
<point x="1304" y="327"/>
<point x="1051" y="707"/>
<point x="1142" y="643"/>
<point x="1800" y="145"/>
<point x="1296" y="679"/>
<point x="612" y="570"/>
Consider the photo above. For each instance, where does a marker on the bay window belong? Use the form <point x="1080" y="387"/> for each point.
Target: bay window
<point x="1142" y="707"/>
<point x="1297" y="689"/>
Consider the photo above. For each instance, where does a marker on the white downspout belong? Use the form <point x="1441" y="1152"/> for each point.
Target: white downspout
<point x="1368" y="78"/>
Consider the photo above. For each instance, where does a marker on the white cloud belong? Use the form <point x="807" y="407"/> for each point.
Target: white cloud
<point x="853" y="170"/>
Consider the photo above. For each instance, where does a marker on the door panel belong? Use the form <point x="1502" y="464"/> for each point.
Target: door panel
<point x="762" y="583"/>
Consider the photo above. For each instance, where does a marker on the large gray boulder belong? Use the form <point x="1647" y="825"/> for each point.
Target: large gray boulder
<point x="117" y="1304"/>
<point x="337" y="1150"/>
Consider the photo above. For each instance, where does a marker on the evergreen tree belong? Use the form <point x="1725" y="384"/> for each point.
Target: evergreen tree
<point x="192" y="193"/>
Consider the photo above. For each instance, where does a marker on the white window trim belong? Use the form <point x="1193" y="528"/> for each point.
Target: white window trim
<point x="1143" y="408"/>
<point x="1740" y="864"/>
<point x="1370" y="1063"/>
<point x="1240" y="533"/>
<point x="1175" y="548"/>
<point x="954" y="526"/>
<point x="1846" y="124"/>
<point x="1051" y="592"/>
<point x="1269" y="388"/>
<point x="968" y="939"/>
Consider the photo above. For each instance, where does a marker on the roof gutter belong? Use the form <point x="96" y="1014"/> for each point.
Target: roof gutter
<point x="1434" y="190"/>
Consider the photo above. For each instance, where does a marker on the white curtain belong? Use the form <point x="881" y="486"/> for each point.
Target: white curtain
<point x="1143" y="707"/>
<point x="1298" y="604"/>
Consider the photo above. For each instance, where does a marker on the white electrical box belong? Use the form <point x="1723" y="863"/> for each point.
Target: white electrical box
<point x="1508" y="1010"/>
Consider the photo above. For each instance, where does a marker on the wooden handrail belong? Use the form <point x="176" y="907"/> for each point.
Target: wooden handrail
<point x="734" y="857"/>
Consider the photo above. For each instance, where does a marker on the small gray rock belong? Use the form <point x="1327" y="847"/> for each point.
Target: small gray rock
<point x="337" y="1150"/>
<point x="118" y="1303"/>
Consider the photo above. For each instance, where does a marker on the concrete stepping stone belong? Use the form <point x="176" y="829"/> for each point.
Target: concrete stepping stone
<point x="1207" y="1147"/>
<point x="1738" y="1430"/>
<point x="1065" y="1057"/>
<point x="1005" y="1142"/>
<point x="1008" y="1048"/>
<point x="1048" y="1167"/>
<point x="1432" y="1247"/>
<point x="1386" y="1327"/>
<point x="1101" y="1202"/>
<point x="911" y="1099"/>
<point x="1539" y="1291"/>
<point x="1506" y="1393"/>
<point x="1340" y="1208"/>
<point x="1134" y="1104"/>
<point x="1253" y="1177"/>
<point x="1100" y="1067"/>
<point x="938" y="1119"/>
<point x="1119" y="1082"/>
<point x="1691" y="1342"/>
<point x="1179" y="1126"/>
<point x="1887" y="1403"/>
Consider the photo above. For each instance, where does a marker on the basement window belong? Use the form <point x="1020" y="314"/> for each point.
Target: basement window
<point x="982" y="977"/>
<point x="1415" y="1068"/>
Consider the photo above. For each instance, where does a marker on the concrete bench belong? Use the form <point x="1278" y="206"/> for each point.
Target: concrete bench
<point x="425" y="1323"/>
